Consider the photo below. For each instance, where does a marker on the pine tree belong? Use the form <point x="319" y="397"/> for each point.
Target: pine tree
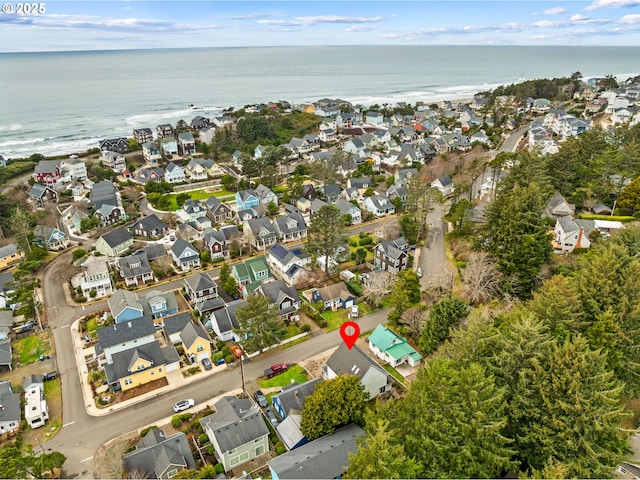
<point x="258" y="323"/>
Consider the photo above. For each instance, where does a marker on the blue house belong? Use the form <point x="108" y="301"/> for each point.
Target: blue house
<point x="246" y="199"/>
<point x="158" y="304"/>
<point x="125" y="306"/>
<point x="333" y="296"/>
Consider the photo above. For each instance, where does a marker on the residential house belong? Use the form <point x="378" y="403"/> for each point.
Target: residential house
<point x="165" y="130"/>
<point x="6" y="290"/>
<point x="76" y="167"/>
<point x="348" y="208"/>
<point x="180" y="329"/>
<point x="186" y="144"/>
<point x="379" y="205"/>
<point x="48" y="172"/>
<point x="174" y="173"/>
<point x="392" y="255"/>
<point x="391" y="348"/>
<point x="157" y="456"/>
<point x="246" y="199"/>
<point x="281" y="296"/>
<point x="372" y="376"/>
<point x="557" y="206"/>
<point x="41" y="194"/>
<point x="115" y="242"/>
<point x="125" y="306"/>
<point x="325" y="457"/>
<point x="355" y="146"/>
<point x="149" y="227"/>
<point x="106" y="200"/>
<point x="223" y="321"/>
<point x="10" y="413"/>
<point x="169" y="146"/>
<point x="360" y="183"/>
<point x="158" y="305"/>
<point x="444" y="184"/>
<point x="113" y="160"/>
<point x="95" y="277"/>
<point x="289" y="399"/>
<point x="50" y="238"/>
<point x="374" y="118"/>
<point x="333" y="296"/>
<point x="394" y="191"/>
<point x="219" y="242"/>
<point x="290" y="433"/>
<point x="223" y="121"/>
<point x="570" y="234"/>
<point x="199" y="122"/>
<point x="195" y="171"/>
<point x="330" y="192"/>
<point x="265" y="195"/>
<point x="260" y="232"/>
<point x="36" y="411"/>
<point x="403" y="176"/>
<point x="10" y="254"/>
<point x="237" y="431"/>
<point x="218" y="211"/>
<point x="200" y="288"/>
<point x="142" y="135"/>
<point x="348" y="119"/>
<point x="6" y="324"/>
<point x="131" y="356"/>
<point x="119" y="144"/>
<point x="288" y="264"/>
<point x="185" y="255"/>
<point x="290" y="227"/>
<point x="328" y="135"/>
<point x="250" y="274"/>
<point x="135" y="269"/>
<point x="151" y="153"/>
<point x="194" y="211"/>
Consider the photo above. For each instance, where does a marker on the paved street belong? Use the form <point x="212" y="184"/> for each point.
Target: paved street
<point x="82" y="435"/>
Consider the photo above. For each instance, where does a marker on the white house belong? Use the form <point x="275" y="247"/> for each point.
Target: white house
<point x="391" y="348"/>
<point x="444" y="184"/>
<point x="36" y="412"/>
<point x="174" y="173"/>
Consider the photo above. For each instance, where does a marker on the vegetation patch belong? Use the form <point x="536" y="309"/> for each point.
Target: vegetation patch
<point x="295" y="372"/>
<point x="27" y="349"/>
<point x="613" y="218"/>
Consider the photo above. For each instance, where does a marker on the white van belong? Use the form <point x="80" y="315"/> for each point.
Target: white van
<point x="354" y="311"/>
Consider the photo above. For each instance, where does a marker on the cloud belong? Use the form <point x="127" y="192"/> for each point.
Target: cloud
<point x="252" y="16"/>
<point x="308" y="21"/>
<point x="597" y="4"/>
<point x="554" y="11"/>
<point x="630" y="19"/>
<point x="578" y="18"/>
<point x="359" y="28"/>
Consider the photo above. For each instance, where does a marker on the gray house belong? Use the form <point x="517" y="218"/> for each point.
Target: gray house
<point x="10" y="413"/>
<point x="159" y="456"/>
<point x="237" y="431"/>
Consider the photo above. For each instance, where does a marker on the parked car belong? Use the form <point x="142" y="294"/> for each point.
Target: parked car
<point x="261" y="399"/>
<point x="419" y="272"/>
<point x="236" y="350"/>
<point x="207" y="364"/>
<point x="183" y="405"/>
<point x="49" y="376"/>
<point x="272" y="417"/>
<point x="275" y="370"/>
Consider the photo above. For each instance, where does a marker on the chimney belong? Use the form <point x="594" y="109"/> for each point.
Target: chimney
<point x="297" y="394"/>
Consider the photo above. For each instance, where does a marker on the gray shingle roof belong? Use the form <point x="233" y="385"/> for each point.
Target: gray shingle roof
<point x="117" y="237"/>
<point x="123" y="361"/>
<point x="153" y="457"/>
<point x="152" y="222"/>
<point x="11" y="411"/>
<point x="235" y="423"/>
<point x="292" y="396"/>
<point x="134" y="265"/>
<point x="352" y="362"/>
<point x="226" y="317"/>
<point x="8" y="250"/>
<point x="200" y="282"/>
<point x="325" y="457"/>
<point x="277" y="291"/>
<point x="121" y="299"/>
<point x="175" y="323"/>
<point x="125" y="332"/>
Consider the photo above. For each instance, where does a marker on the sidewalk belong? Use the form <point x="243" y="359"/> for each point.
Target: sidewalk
<point x="175" y="379"/>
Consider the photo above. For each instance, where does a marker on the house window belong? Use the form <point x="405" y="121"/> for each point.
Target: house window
<point x="172" y="473"/>
<point x="259" y="450"/>
<point x="244" y="457"/>
<point x="140" y="367"/>
<point x="128" y="381"/>
<point x="199" y="348"/>
<point x="234" y="461"/>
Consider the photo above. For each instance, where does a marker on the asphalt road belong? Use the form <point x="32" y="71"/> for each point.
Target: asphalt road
<point x="82" y="435"/>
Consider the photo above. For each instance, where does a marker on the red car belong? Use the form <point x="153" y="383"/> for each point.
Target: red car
<point x="279" y="367"/>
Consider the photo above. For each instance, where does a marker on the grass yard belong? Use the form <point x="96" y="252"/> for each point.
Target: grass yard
<point x="395" y="374"/>
<point x="197" y="195"/>
<point x="337" y="318"/>
<point x="29" y="349"/>
<point x="295" y="372"/>
<point x="91" y="327"/>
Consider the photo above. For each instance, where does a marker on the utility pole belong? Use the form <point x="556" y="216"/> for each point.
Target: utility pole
<point x="36" y="308"/>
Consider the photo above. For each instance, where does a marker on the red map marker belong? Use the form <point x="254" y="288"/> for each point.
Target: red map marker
<point x="350" y="331"/>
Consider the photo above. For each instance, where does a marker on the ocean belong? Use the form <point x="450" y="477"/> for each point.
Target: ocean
<point x="66" y="102"/>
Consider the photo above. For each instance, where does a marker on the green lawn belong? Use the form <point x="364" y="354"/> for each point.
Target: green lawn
<point x="91" y="327"/>
<point x="28" y="349"/>
<point x="337" y="318"/>
<point x="197" y="195"/>
<point x="52" y="389"/>
<point x="295" y="372"/>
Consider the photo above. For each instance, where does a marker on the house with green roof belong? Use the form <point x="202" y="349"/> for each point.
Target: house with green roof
<point x="250" y="274"/>
<point x="391" y="348"/>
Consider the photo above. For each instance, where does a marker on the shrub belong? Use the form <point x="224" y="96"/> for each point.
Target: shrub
<point x="280" y="450"/>
<point x="355" y="288"/>
<point x="230" y="358"/>
<point x="366" y="240"/>
<point x="176" y="421"/>
<point x="79" y="253"/>
<point x="219" y="468"/>
<point x="305" y="328"/>
<point x="203" y="438"/>
<point x="93" y="293"/>
<point x="144" y="431"/>
<point x="220" y="344"/>
<point x="186" y="416"/>
<point x="212" y="452"/>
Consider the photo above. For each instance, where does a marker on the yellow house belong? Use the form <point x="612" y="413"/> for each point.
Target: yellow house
<point x="139" y="365"/>
<point x="193" y="337"/>
<point x="10" y="254"/>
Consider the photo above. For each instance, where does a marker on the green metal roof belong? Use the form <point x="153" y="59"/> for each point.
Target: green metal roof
<point x="397" y="347"/>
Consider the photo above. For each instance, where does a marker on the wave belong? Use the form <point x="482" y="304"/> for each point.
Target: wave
<point x="11" y="128"/>
<point x="30" y="141"/>
<point x="186" y="114"/>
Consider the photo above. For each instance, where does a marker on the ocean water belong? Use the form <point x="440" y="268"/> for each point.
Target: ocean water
<point x="61" y="103"/>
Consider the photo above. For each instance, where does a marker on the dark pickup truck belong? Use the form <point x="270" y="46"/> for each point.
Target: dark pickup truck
<point x="275" y="370"/>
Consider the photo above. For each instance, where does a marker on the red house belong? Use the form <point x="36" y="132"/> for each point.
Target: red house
<point x="48" y="172"/>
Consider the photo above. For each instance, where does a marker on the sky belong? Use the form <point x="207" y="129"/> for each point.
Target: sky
<point x="97" y="25"/>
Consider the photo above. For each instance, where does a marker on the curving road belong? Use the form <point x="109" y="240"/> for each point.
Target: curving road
<point x="82" y="435"/>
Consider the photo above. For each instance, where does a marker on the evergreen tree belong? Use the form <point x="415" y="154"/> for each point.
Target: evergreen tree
<point x="441" y="317"/>
<point x="567" y="408"/>
<point x="333" y="404"/>
<point x="324" y="234"/>
<point x="258" y="323"/>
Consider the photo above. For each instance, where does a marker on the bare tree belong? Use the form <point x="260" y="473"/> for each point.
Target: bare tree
<point x="421" y="200"/>
<point x="413" y="319"/>
<point x="481" y="278"/>
<point x="377" y="286"/>
<point x="109" y="460"/>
